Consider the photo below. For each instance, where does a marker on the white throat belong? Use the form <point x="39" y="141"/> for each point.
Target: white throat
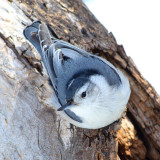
<point x="106" y="107"/>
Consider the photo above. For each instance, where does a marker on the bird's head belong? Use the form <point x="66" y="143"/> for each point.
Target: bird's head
<point x="95" y="103"/>
<point x="81" y="91"/>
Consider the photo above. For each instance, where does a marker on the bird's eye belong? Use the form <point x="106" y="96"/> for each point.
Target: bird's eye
<point x="83" y="94"/>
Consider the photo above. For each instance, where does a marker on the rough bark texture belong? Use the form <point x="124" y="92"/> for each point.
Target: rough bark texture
<point x="30" y="127"/>
<point x="130" y="145"/>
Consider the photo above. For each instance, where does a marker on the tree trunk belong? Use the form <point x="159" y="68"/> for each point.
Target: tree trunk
<point x="30" y="127"/>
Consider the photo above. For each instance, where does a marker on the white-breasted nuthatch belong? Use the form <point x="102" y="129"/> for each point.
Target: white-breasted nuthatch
<point x="90" y="91"/>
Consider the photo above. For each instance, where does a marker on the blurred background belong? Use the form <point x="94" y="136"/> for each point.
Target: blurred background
<point x="135" y="25"/>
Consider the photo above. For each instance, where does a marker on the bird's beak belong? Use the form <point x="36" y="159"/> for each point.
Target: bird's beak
<point x="66" y="106"/>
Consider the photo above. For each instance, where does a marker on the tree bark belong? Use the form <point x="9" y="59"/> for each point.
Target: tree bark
<point x="30" y="127"/>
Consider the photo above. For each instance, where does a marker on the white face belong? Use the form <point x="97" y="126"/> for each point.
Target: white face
<point x="99" y="104"/>
<point x="86" y="94"/>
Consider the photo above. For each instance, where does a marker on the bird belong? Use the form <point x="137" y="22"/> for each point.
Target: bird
<point x="90" y="92"/>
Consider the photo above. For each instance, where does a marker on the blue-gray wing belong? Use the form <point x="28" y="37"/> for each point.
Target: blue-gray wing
<point x="55" y="53"/>
<point x="63" y="60"/>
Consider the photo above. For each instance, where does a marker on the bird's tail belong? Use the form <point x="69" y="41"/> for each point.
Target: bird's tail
<point x="38" y="35"/>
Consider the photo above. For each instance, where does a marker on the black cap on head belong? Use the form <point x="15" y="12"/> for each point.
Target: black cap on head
<point x="74" y="85"/>
<point x="77" y="81"/>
